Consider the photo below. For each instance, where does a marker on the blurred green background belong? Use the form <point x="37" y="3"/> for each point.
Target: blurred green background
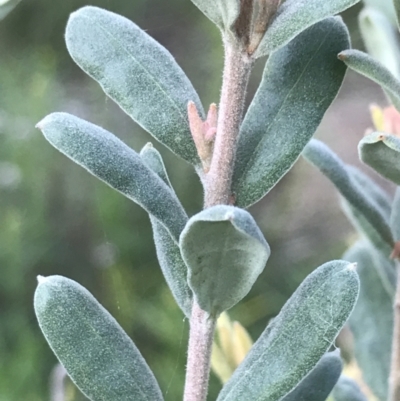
<point x="57" y="219"/>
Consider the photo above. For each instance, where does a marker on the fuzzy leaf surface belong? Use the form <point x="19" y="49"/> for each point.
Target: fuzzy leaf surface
<point x="222" y="12"/>
<point x="395" y="216"/>
<point x="225" y="252"/>
<point x="298" y="337"/>
<point x="381" y="151"/>
<point x="136" y="72"/>
<point x="299" y="83"/>
<point x="374" y="70"/>
<point x="318" y="154"/>
<point x="6" y="7"/>
<point x="98" y="355"/>
<point x="348" y="390"/>
<point x="109" y="159"/>
<point x="168" y="252"/>
<point x="318" y="384"/>
<point x="371" y="322"/>
<point x="295" y="16"/>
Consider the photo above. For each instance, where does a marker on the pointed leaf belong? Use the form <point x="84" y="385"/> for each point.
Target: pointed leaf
<point x="222" y="12"/>
<point x="302" y="332"/>
<point x="395" y="216"/>
<point x="300" y="81"/>
<point x="348" y="390"/>
<point x="168" y="252"/>
<point x="333" y="168"/>
<point x="109" y="159"/>
<point x="225" y="252"/>
<point x="371" y="322"/>
<point x="381" y="151"/>
<point x="137" y="73"/>
<point x="97" y="354"/>
<point x="6" y="6"/>
<point x="318" y="384"/>
<point x="294" y="16"/>
<point x="374" y="70"/>
<point x="381" y="38"/>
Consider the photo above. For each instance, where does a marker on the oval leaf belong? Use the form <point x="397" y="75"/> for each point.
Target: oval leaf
<point x="348" y="390"/>
<point x="374" y="70"/>
<point x="137" y="73"/>
<point x="302" y="332"/>
<point x="318" y="384"/>
<point x="300" y="81"/>
<point x="381" y="151"/>
<point x="97" y="354"/>
<point x="333" y="168"/>
<point x="168" y="252"/>
<point x="225" y="252"/>
<point x="109" y="159"/>
<point x="222" y="12"/>
<point x="294" y="16"/>
<point x="371" y="321"/>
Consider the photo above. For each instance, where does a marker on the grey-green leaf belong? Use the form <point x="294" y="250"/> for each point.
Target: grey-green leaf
<point x="300" y="81"/>
<point x="318" y="384"/>
<point x="223" y="13"/>
<point x="137" y="73"/>
<point x="294" y="16"/>
<point x="98" y="355"/>
<point x="302" y="332"/>
<point x="109" y="159"/>
<point x="395" y="216"/>
<point x="371" y="321"/>
<point x="168" y="252"/>
<point x="396" y="4"/>
<point x="374" y="70"/>
<point x="225" y="252"/>
<point x="348" y="390"/>
<point x="381" y="151"/>
<point x="6" y="7"/>
<point x="335" y="170"/>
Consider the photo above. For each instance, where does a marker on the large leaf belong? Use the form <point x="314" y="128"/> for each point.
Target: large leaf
<point x="318" y="384"/>
<point x="137" y="73"/>
<point x="168" y="252"/>
<point x="347" y="390"/>
<point x="374" y="70"/>
<point x="108" y="158"/>
<point x="6" y="6"/>
<point x="381" y="151"/>
<point x="303" y="331"/>
<point x="225" y="252"/>
<point x="98" y="355"/>
<point x="300" y="81"/>
<point x="333" y="168"/>
<point x="294" y="16"/>
<point x="222" y="12"/>
<point x="371" y="321"/>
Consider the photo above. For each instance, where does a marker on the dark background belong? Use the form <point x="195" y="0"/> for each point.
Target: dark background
<point x="57" y="219"/>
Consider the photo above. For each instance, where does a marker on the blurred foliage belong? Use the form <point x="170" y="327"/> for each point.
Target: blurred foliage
<point x="56" y="219"/>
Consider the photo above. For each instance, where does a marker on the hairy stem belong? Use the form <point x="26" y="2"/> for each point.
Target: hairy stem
<point x="238" y="65"/>
<point x="202" y="327"/>
<point x="394" y="379"/>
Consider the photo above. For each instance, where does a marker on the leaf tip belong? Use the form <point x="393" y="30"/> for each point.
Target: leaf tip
<point x="41" y="279"/>
<point x="352" y="266"/>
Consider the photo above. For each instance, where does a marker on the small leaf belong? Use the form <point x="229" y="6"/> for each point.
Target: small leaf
<point x="318" y="384"/>
<point x="333" y="168"/>
<point x="300" y="81"/>
<point x="374" y="70"/>
<point x="225" y="252"/>
<point x="395" y="216"/>
<point x="137" y="73"/>
<point x="298" y="337"/>
<point x="6" y="6"/>
<point x="97" y="354"/>
<point x="109" y="159"/>
<point x="348" y="390"/>
<point x="294" y="16"/>
<point x="371" y="321"/>
<point x="382" y="152"/>
<point x="223" y="13"/>
<point x="168" y="252"/>
<point x="380" y="38"/>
